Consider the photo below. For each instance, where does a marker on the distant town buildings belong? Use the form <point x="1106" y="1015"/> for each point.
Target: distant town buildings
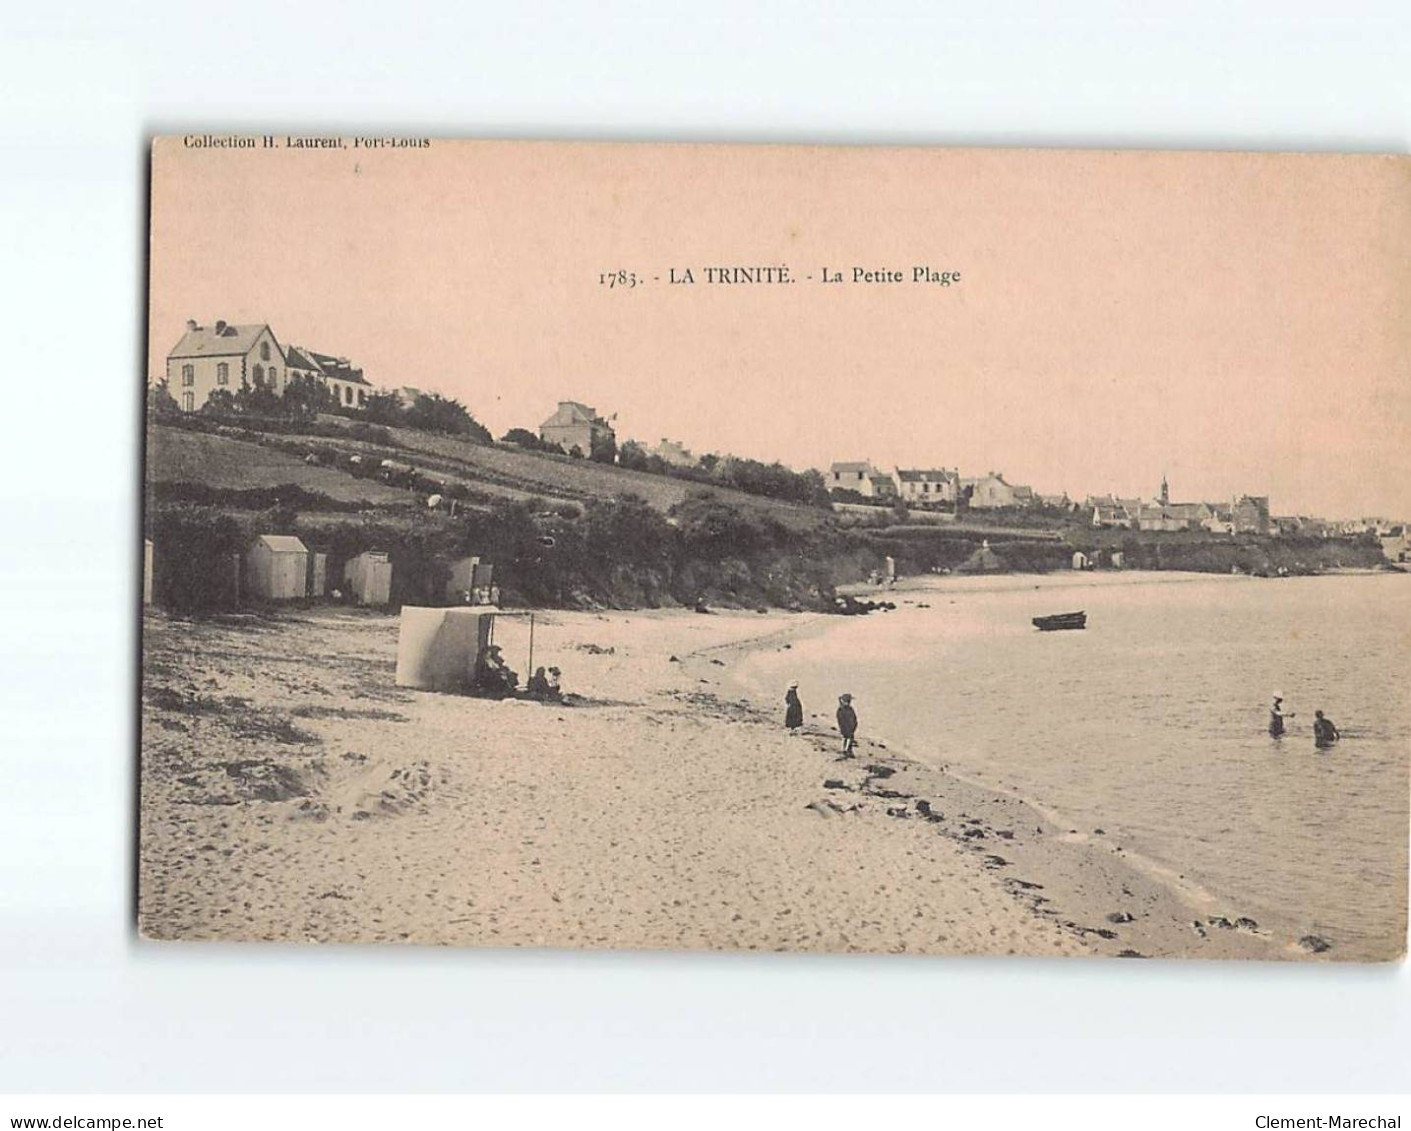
<point x="229" y="356"/>
<point x="576" y="425"/>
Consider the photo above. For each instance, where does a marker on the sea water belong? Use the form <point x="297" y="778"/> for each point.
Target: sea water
<point x="1152" y="724"/>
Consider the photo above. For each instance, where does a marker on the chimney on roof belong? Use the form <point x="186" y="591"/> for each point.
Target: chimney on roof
<point x="220" y="325"/>
<point x="191" y="324"/>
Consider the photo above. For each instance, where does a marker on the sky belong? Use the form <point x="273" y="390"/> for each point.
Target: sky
<point x="1237" y="323"/>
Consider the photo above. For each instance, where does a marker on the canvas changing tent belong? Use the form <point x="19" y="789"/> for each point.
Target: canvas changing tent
<point x="276" y="568"/>
<point x="369" y="578"/>
<point x="437" y="649"/>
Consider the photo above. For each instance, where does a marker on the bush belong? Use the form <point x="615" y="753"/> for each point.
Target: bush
<point x="714" y="529"/>
<point x="191" y="562"/>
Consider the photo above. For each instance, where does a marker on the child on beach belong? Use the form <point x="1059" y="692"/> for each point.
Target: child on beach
<point x="847" y="724"/>
<point x="1325" y="733"/>
<point x="793" y="709"/>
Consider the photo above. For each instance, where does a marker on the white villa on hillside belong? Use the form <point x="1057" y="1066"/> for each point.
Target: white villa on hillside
<point x="223" y="356"/>
<point x="229" y="356"/>
<point x="346" y="382"/>
<point x="862" y="477"/>
<point x="992" y="490"/>
<point x="576" y="425"/>
<point x="917" y="485"/>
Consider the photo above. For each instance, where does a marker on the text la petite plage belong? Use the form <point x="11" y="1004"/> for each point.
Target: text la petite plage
<point x="779" y="274"/>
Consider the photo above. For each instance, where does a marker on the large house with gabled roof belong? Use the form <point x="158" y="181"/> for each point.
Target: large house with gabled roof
<point x="223" y="356"/>
<point x="576" y="426"/>
<point x="346" y="382"/>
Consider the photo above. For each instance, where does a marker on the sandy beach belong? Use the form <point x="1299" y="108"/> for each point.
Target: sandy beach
<point x="292" y="792"/>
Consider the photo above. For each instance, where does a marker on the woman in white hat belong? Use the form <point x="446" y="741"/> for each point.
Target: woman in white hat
<point x="1277" y="717"/>
<point x="793" y="709"/>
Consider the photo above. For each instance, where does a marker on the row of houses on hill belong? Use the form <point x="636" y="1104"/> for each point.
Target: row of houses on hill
<point x="920" y="486"/>
<point x="1244" y="514"/>
<point x="227" y="356"/>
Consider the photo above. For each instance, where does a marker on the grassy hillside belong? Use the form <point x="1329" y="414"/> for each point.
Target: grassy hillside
<point x="175" y="455"/>
<point x="515" y="471"/>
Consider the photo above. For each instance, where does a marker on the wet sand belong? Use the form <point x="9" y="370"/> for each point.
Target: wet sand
<point x="291" y="792"/>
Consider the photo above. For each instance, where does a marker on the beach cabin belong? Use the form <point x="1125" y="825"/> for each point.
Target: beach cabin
<point x="368" y="578"/>
<point x="472" y="582"/>
<point x="276" y="568"/>
<point x="146" y="571"/>
<point x="318" y="575"/>
<point x="437" y="649"/>
<point x="460" y="586"/>
<point x="1080" y="560"/>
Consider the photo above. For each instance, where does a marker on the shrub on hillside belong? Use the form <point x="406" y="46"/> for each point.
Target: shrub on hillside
<point x="432" y="412"/>
<point x="712" y="528"/>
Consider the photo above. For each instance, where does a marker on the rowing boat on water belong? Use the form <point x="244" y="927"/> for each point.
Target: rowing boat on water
<point x="1060" y="621"/>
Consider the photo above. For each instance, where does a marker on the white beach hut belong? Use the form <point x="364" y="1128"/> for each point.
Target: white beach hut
<point x="276" y="568"/>
<point x="318" y="575"/>
<point x="369" y="578"/>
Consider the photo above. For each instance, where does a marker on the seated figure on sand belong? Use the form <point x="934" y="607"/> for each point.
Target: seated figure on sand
<point x="492" y="675"/>
<point x="544" y="685"/>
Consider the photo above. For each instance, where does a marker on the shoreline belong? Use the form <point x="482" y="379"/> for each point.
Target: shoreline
<point x="1076" y="879"/>
<point x="664" y="808"/>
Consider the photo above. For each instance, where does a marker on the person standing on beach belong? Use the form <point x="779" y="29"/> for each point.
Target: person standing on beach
<point x="1277" y="716"/>
<point x="847" y="724"/>
<point x="1325" y="733"/>
<point x="793" y="709"/>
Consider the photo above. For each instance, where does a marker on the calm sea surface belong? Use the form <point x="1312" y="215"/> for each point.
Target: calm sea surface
<point x="1152" y="724"/>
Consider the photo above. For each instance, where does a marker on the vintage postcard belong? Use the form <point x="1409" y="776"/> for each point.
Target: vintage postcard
<point x="777" y="548"/>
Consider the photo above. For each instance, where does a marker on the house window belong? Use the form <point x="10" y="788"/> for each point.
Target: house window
<point x="222" y="373"/>
<point x="188" y="375"/>
<point x="259" y="374"/>
<point x="362" y="397"/>
<point x="274" y="376"/>
<point x="264" y="351"/>
<point x="347" y="394"/>
<point x="188" y="402"/>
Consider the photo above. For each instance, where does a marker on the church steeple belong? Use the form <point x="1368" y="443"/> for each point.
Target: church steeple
<point x="1165" y="493"/>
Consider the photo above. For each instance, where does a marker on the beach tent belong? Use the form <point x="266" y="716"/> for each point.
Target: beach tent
<point x="437" y="649"/>
<point x="146" y="571"/>
<point x="369" y="578"/>
<point x="1080" y="560"/>
<point x="276" y="568"/>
